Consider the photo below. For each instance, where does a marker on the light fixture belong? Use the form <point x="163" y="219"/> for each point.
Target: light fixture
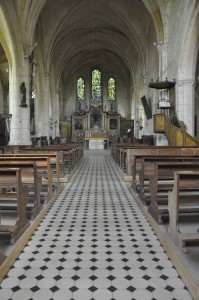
<point x="5" y="116"/>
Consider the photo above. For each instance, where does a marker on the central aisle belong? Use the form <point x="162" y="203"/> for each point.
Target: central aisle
<point x="94" y="244"/>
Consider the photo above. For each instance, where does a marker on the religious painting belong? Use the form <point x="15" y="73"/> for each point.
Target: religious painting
<point x="78" y="124"/>
<point x="113" y="124"/>
<point x="96" y="118"/>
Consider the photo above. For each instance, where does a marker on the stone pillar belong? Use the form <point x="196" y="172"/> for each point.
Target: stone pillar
<point x="55" y="113"/>
<point x="185" y="104"/>
<point x="19" y="105"/>
<point x="43" y="110"/>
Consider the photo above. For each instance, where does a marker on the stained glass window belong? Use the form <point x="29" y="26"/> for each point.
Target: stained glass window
<point x="111" y="89"/>
<point x="80" y="89"/>
<point x="96" y="83"/>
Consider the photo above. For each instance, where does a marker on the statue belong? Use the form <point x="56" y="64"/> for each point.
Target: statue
<point x="23" y="94"/>
<point x="112" y="108"/>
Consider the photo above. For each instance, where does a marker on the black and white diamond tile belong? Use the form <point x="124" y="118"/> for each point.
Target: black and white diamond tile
<point x="94" y="244"/>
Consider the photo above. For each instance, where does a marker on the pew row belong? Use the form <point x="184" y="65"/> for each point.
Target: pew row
<point x="30" y="178"/>
<point x="12" y="177"/>
<point x="160" y="182"/>
<point x="183" y="200"/>
<point x="43" y="169"/>
<point x="68" y="156"/>
<point x="124" y="154"/>
<point x="54" y="161"/>
<point x="143" y="168"/>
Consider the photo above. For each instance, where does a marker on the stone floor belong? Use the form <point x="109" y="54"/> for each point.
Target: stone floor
<point x="94" y="244"/>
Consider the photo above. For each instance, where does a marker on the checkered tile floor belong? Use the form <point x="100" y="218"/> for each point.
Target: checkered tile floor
<point x="94" y="244"/>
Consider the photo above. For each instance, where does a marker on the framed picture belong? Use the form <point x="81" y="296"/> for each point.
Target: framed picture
<point x="78" y="124"/>
<point x="113" y="124"/>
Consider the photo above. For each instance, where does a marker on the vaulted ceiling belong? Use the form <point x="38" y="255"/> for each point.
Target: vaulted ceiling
<point x="113" y="33"/>
<point x="77" y="33"/>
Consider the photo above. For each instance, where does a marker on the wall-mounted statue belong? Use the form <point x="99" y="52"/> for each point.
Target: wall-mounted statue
<point x="113" y="108"/>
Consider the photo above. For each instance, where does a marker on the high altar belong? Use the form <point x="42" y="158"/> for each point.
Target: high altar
<point x="95" y="126"/>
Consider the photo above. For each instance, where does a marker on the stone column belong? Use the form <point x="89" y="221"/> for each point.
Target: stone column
<point x="185" y="104"/>
<point x="19" y="104"/>
<point x="43" y="110"/>
<point x="55" y="113"/>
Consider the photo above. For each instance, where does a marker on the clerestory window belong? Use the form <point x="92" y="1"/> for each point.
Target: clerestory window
<point x="111" y="89"/>
<point x="80" y="89"/>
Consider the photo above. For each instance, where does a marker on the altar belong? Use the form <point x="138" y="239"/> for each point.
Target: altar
<point x="95" y="139"/>
<point x="96" y="144"/>
<point x="96" y="125"/>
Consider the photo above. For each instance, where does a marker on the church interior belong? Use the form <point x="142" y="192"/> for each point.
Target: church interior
<point x="99" y="149"/>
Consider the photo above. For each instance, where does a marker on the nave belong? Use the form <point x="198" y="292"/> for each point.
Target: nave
<point x="94" y="243"/>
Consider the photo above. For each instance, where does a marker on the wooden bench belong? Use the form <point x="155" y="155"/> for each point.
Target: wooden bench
<point x="126" y="159"/>
<point x="184" y="200"/>
<point x="54" y="161"/>
<point x="30" y="177"/>
<point x="161" y="152"/>
<point x="161" y="181"/>
<point x="12" y="177"/>
<point x="68" y="155"/>
<point x="43" y="169"/>
<point x="148" y="151"/>
<point x="119" y="152"/>
<point x="144" y="167"/>
<point x="72" y="153"/>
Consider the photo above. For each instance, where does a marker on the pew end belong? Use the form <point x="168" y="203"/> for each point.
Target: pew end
<point x="11" y="177"/>
<point x="183" y="201"/>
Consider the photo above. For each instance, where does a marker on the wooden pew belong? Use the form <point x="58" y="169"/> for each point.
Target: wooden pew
<point x="73" y="151"/>
<point x="148" y="151"/>
<point x="184" y="200"/>
<point x="126" y="159"/>
<point x="44" y="169"/>
<point x="68" y="155"/>
<point x="29" y="177"/>
<point x="54" y="161"/>
<point x="144" y="167"/>
<point x="161" y="181"/>
<point x="119" y="150"/>
<point x="12" y="177"/>
<point x="71" y="154"/>
<point x="47" y="151"/>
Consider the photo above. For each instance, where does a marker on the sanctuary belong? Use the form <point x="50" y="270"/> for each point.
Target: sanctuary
<point x="95" y="126"/>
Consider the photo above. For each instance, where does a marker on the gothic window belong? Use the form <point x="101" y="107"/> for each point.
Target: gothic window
<point x="80" y="89"/>
<point x="111" y="89"/>
<point x="96" y="83"/>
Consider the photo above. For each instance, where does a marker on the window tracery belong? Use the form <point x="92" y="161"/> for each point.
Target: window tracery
<point x="80" y="89"/>
<point x="96" y="83"/>
<point x="111" y="89"/>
